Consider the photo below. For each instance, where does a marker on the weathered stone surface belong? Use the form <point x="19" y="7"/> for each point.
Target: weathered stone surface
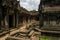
<point x="49" y="15"/>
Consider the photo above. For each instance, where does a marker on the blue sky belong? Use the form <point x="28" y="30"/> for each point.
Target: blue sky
<point x="30" y="4"/>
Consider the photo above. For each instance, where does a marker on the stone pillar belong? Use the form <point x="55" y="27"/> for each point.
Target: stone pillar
<point x="6" y="22"/>
<point x="30" y="18"/>
<point x="0" y="17"/>
<point x="27" y="19"/>
<point x="41" y="21"/>
<point x="24" y="20"/>
<point x="16" y="19"/>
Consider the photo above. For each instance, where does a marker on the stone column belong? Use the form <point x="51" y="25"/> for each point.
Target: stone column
<point x="16" y="19"/>
<point x="41" y="21"/>
<point x="6" y="22"/>
<point x="0" y="17"/>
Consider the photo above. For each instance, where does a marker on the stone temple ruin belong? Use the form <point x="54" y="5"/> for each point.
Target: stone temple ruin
<point x="13" y="17"/>
<point x="22" y="24"/>
<point x="49" y="17"/>
<point x="9" y="14"/>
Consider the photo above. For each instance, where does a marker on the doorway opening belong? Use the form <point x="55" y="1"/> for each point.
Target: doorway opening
<point x="10" y="21"/>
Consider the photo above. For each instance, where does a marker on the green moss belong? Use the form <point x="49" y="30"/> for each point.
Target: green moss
<point x="44" y="38"/>
<point x="49" y="38"/>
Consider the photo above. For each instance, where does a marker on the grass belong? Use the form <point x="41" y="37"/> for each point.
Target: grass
<point x="49" y="38"/>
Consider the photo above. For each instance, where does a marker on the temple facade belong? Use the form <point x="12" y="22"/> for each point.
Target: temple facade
<point x="9" y="11"/>
<point x="49" y="13"/>
<point x="49" y="18"/>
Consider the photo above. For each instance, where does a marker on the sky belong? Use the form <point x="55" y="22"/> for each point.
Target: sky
<point x="30" y="4"/>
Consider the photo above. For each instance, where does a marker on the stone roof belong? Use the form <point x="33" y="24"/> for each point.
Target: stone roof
<point x="52" y="9"/>
<point x="23" y="10"/>
<point x="34" y="12"/>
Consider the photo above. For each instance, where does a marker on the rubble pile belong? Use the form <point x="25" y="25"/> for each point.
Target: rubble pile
<point x="28" y="33"/>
